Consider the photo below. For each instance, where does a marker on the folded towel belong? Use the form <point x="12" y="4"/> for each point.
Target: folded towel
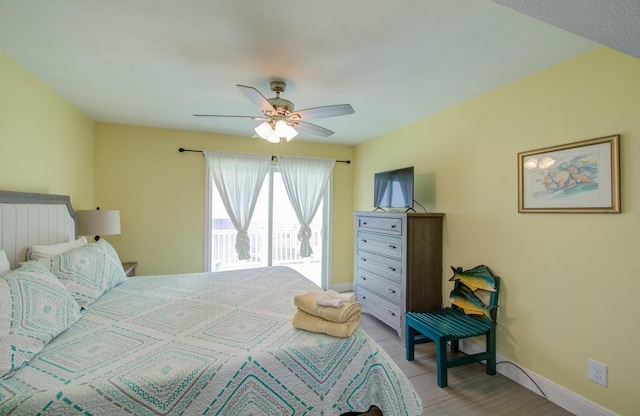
<point x="303" y="320"/>
<point x="346" y="296"/>
<point x="326" y="300"/>
<point x="335" y="299"/>
<point x="308" y="302"/>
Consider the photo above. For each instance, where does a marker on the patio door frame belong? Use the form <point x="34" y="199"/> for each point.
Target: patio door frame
<point x="326" y="230"/>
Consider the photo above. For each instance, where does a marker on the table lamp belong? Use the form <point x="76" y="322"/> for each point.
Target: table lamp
<point x="98" y="222"/>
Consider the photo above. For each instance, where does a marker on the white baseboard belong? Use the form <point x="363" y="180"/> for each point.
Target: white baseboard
<point x="343" y="287"/>
<point x="555" y="393"/>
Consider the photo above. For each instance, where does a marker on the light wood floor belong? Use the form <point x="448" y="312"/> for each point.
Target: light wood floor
<point x="471" y="392"/>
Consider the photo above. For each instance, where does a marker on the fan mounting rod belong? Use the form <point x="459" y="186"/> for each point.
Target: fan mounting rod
<point x="281" y="105"/>
<point x="278" y="87"/>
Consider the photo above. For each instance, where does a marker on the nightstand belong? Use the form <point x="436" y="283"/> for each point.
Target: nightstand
<point x="130" y="268"/>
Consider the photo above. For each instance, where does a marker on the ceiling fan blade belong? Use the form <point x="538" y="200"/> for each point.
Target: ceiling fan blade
<point x="322" y="112"/>
<point x="311" y="129"/>
<point x="256" y="98"/>
<point x="221" y="115"/>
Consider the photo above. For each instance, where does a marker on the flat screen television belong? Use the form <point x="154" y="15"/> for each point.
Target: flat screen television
<point x="393" y="189"/>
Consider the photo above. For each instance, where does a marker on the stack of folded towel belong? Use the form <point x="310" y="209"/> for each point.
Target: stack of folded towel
<point x="332" y="313"/>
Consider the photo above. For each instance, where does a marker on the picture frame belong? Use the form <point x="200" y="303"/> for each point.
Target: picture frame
<point x="580" y="177"/>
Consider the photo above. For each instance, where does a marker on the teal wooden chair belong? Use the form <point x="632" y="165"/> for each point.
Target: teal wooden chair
<point x="451" y="325"/>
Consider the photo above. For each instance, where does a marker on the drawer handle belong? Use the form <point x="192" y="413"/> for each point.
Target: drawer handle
<point x="393" y="269"/>
<point x="391" y="290"/>
<point x="393" y="226"/>
<point x="364" y="241"/>
<point x="363" y="297"/>
<point x="363" y="278"/>
<point x="364" y="223"/>
<point x="393" y="247"/>
<point x="363" y="259"/>
<point x="391" y="313"/>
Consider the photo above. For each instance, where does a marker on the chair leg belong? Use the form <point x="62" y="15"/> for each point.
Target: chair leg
<point x="491" y="349"/>
<point x="410" y="341"/>
<point x="441" y="360"/>
<point x="455" y="345"/>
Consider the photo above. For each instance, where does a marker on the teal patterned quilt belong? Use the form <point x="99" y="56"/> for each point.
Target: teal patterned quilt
<point x="207" y="343"/>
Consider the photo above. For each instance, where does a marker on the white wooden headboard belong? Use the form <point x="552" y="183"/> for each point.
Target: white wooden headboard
<point x="28" y="219"/>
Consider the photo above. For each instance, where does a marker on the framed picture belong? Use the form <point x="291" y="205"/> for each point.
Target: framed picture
<point x="575" y="177"/>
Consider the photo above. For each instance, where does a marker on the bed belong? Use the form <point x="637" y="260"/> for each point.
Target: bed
<point x="217" y="343"/>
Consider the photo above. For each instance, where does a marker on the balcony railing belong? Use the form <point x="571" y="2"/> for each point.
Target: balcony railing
<point x="285" y="248"/>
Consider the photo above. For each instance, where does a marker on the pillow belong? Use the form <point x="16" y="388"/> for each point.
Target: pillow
<point x="42" y="251"/>
<point x="34" y="308"/>
<point x="88" y="271"/>
<point x="4" y="262"/>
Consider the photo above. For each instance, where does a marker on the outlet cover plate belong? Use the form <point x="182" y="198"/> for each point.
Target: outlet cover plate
<point x="598" y="372"/>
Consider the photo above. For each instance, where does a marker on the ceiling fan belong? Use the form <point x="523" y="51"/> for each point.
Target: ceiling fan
<point x="280" y="119"/>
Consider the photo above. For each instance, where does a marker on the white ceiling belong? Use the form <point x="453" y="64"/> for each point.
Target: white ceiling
<point x="155" y="63"/>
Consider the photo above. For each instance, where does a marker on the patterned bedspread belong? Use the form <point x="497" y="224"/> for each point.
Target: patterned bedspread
<point x="208" y="343"/>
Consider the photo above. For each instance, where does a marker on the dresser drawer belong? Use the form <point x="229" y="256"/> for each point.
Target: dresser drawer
<point x="388" y="289"/>
<point x="381" y="244"/>
<point x="382" y="266"/>
<point x="382" y="309"/>
<point x="397" y="264"/>
<point x="391" y="226"/>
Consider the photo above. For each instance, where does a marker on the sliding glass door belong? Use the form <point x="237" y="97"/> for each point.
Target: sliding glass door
<point x="273" y="234"/>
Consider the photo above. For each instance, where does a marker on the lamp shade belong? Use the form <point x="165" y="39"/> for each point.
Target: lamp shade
<point x="263" y="130"/>
<point x="98" y="222"/>
<point x="272" y="132"/>
<point x="283" y="129"/>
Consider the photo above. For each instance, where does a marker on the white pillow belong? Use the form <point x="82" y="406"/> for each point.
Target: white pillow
<point x="50" y="250"/>
<point x="4" y="262"/>
<point x="87" y="272"/>
<point x="34" y="308"/>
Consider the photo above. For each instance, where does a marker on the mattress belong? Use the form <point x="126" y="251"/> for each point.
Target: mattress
<point x="217" y="343"/>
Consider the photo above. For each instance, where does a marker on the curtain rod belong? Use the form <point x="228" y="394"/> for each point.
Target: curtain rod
<point x="182" y="149"/>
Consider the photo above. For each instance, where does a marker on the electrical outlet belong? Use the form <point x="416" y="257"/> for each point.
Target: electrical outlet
<point x="598" y="372"/>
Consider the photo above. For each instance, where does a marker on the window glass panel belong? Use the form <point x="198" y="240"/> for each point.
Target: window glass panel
<point x="286" y="246"/>
<point x="284" y="231"/>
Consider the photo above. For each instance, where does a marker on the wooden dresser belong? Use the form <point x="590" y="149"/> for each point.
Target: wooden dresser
<point x="398" y="264"/>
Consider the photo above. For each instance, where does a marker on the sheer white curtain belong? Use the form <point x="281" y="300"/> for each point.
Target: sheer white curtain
<point x="405" y="177"/>
<point x="381" y="182"/>
<point x="238" y="177"/>
<point x="305" y="180"/>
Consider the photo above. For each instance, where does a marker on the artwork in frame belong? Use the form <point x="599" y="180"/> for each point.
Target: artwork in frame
<point x="575" y="177"/>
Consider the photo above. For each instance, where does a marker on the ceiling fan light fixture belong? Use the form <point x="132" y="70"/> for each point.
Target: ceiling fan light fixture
<point x="273" y="137"/>
<point x="264" y="130"/>
<point x="279" y="111"/>
<point x="292" y="133"/>
<point x="283" y="129"/>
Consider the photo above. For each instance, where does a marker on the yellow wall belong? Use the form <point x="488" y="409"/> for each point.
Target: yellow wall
<point x="570" y="281"/>
<point x="160" y="193"/>
<point x="46" y="143"/>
